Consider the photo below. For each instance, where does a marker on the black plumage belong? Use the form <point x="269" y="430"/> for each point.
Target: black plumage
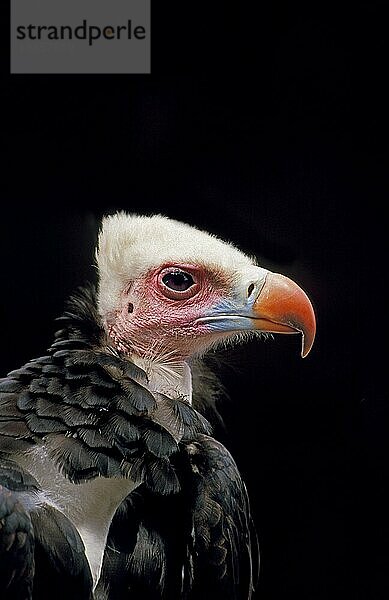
<point x="41" y="552"/>
<point x="90" y="387"/>
<point x="61" y="567"/>
<point x="186" y="527"/>
<point x="17" y="559"/>
<point x="200" y="543"/>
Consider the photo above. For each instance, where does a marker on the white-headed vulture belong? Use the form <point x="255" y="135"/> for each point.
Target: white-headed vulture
<point x="111" y="486"/>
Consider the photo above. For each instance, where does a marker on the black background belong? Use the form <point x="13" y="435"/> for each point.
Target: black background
<point x="266" y="124"/>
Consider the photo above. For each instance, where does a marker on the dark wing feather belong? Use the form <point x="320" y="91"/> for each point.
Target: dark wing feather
<point x="40" y="550"/>
<point x="62" y="569"/>
<point x="144" y="556"/>
<point x="16" y="542"/>
<point x="225" y="556"/>
<point x="91" y="408"/>
<point x="17" y="562"/>
<point x="197" y="544"/>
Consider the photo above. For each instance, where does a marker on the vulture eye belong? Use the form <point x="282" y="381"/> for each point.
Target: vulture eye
<point x="178" y="281"/>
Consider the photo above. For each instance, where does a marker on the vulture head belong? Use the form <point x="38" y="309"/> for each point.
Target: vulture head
<point x="168" y="291"/>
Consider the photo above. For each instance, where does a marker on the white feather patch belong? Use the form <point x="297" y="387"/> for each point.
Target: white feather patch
<point x="90" y="506"/>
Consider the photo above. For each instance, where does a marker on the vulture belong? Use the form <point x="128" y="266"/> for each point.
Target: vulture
<point x="111" y="484"/>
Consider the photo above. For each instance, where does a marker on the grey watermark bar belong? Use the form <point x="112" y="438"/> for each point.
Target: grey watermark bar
<point x="80" y="36"/>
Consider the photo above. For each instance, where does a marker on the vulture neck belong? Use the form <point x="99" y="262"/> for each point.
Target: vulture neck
<point x="171" y="378"/>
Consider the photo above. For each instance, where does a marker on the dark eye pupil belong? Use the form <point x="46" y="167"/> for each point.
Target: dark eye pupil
<point x="178" y="282"/>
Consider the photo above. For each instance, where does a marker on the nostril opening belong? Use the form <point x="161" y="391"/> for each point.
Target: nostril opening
<point x="250" y="290"/>
<point x="130" y="307"/>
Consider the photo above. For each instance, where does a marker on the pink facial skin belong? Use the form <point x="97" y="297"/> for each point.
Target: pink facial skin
<point x="154" y="320"/>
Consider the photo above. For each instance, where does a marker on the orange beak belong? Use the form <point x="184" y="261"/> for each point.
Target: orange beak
<point x="283" y="307"/>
